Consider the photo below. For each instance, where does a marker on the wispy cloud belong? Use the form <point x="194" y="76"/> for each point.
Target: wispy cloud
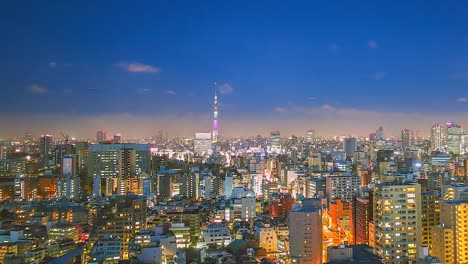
<point x="225" y="89"/>
<point x="462" y="100"/>
<point x="52" y="64"/>
<point x="171" y="92"/>
<point x="372" y="44"/>
<point x="379" y="75"/>
<point x="460" y="75"/>
<point x="36" y="89"/>
<point x="281" y="109"/>
<point x="138" y="67"/>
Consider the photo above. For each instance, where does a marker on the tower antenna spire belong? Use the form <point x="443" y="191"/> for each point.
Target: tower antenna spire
<point x="215" y="117"/>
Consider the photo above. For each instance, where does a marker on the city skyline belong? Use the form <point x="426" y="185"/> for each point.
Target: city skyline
<point x="341" y="69"/>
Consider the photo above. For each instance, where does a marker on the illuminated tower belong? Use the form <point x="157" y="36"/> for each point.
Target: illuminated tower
<point x="215" y="118"/>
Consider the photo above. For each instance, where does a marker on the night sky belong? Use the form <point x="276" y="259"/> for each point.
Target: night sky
<point x="136" y="67"/>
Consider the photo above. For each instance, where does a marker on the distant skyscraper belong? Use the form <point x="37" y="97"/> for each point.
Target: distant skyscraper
<point x="117" y="138"/>
<point x="379" y="134"/>
<point x="310" y="136"/>
<point x="405" y="138"/>
<point x="202" y="143"/>
<point x="215" y="118"/>
<point x="349" y="146"/>
<point x="101" y="136"/>
<point x="438" y="137"/>
<point x="275" y="138"/>
<point x="45" y="148"/>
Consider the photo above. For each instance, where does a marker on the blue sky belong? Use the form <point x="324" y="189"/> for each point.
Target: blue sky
<point x="158" y="60"/>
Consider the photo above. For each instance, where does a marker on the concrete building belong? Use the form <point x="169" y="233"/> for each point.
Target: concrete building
<point x="438" y="137"/>
<point x="202" y="143"/>
<point x="342" y="186"/>
<point x="430" y="213"/>
<point x="362" y="212"/>
<point x="396" y="216"/>
<point x="107" y="249"/>
<point x="116" y="163"/>
<point x="350" y="146"/>
<point x="305" y="233"/>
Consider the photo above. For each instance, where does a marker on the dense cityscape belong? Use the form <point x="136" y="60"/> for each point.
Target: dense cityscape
<point x="207" y="199"/>
<point x="225" y="132"/>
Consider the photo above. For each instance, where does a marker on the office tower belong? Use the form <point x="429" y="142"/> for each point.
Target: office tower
<point x="69" y="170"/>
<point x="362" y="211"/>
<point x="202" y="143"/>
<point x="455" y="139"/>
<point x="305" y="233"/>
<point x="82" y="150"/>
<point x="450" y="238"/>
<point x="438" y="137"/>
<point x="215" y="118"/>
<point x="310" y="136"/>
<point x="45" y="149"/>
<point x="349" y="146"/>
<point x="397" y="221"/>
<point x="127" y="169"/>
<point x="430" y="213"/>
<point x="454" y="191"/>
<point x="344" y="187"/>
<point x="275" y="141"/>
<point x="405" y="138"/>
<point x="118" y="161"/>
<point x="379" y="134"/>
<point x="117" y="138"/>
<point x="101" y="136"/>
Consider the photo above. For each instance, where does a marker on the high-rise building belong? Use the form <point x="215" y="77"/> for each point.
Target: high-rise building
<point x="344" y="187"/>
<point x="397" y="221"/>
<point x="45" y="148"/>
<point x="202" y="143"/>
<point x="438" y="137"/>
<point x="118" y="161"/>
<point x="349" y="146"/>
<point x="305" y="233"/>
<point x="275" y="138"/>
<point x="430" y="213"/>
<point x="450" y="238"/>
<point x="362" y="211"/>
<point x="215" y="118"/>
<point x="405" y="138"/>
<point x="310" y="136"/>
<point x="455" y="139"/>
<point x="101" y="136"/>
<point x="379" y="134"/>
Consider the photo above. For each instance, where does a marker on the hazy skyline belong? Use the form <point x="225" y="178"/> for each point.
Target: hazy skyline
<point x="339" y="68"/>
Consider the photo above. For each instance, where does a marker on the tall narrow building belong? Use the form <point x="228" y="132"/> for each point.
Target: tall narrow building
<point x="397" y="221"/>
<point x="215" y="118"/>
